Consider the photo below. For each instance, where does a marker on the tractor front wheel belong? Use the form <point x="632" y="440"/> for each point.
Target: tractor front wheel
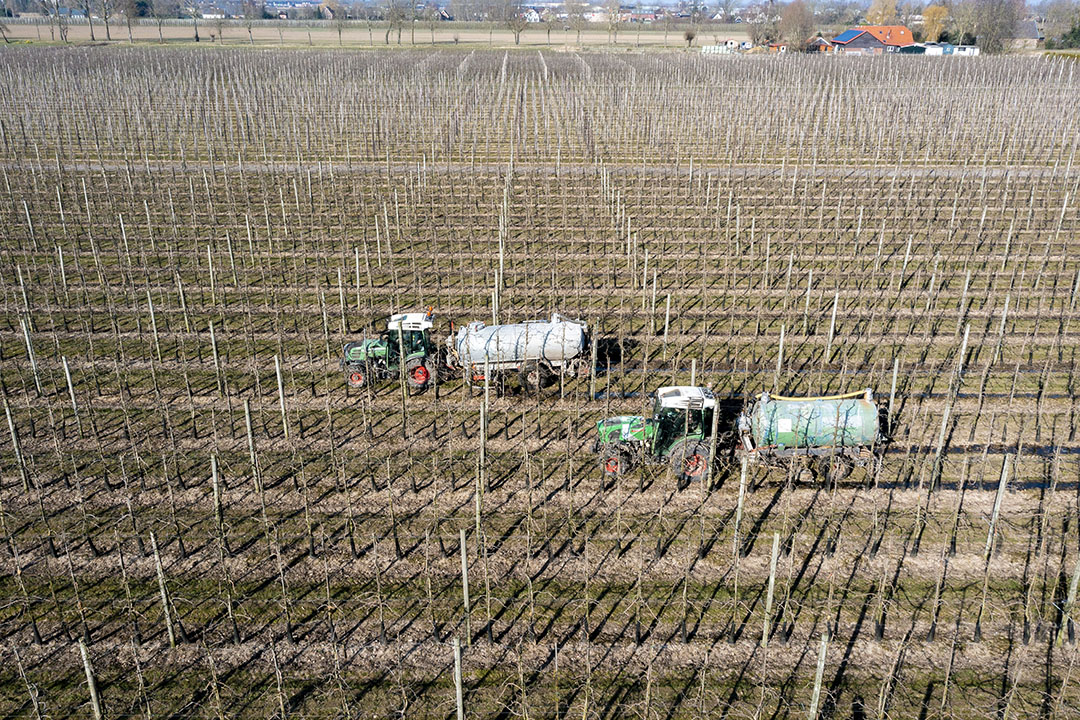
<point x="418" y="375"/>
<point x="356" y="378"/>
<point x="689" y="460"/>
<point x="615" y="464"/>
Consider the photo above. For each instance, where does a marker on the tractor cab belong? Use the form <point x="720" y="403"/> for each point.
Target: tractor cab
<point x="681" y="413"/>
<point x="408" y="332"/>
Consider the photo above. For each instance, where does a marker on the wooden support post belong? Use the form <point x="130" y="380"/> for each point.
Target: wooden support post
<point x="163" y="590"/>
<point x="667" y="320"/>
<point x="153" y="324"/>
<point x="832" y="330"/>
<point x="779" y="361"/>
<point x="457" y="681"/>
<point x="739" y="507"/>
<point x="281" y="396"/>
<point x="892" y="394"/>
<point x="63" y="270"/>
<point x="935" y="474"/>
<point x="219" y="512"/>
<point x="592" y="370"/>
<point x="254" y="458"/>
<point x="30" y="356"/>
<point x="1002" y="482"/>
<point x="71" y="394"/>
<point x="816" y="698"/>
<point x="772" y="586"/>
<point x="91" y="682"/>
<point x="217" y="361"/>
<point x="1070" y="602"/>
<point x="17" y="447"/>
<point x="989" y="549"/>
<point x="481" y="470"/>
<point x="465" y="588"/>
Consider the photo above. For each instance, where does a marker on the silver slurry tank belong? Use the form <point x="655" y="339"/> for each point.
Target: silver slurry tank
<point x="556" y="342"/>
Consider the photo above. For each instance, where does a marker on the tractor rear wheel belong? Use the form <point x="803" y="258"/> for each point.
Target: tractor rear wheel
<point x="356" y="378"/>
<point x="418" y="375"/>
<point x="689" y="460"/>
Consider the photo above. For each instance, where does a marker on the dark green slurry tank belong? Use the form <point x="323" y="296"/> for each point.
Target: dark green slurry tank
<point x="781" y="425"/>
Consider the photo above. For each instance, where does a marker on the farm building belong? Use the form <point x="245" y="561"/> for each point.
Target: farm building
<point x="1026" y="37"/>
<point x="819" y="44"/>
<point x="934" y="48"/>
<point x="727" y="47"/>
<point x="873" y="39"/>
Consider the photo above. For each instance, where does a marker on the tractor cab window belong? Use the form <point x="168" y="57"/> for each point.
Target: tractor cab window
<point x="412" y="341"/>
<point x="669" y="424"/>
<point x="390" y="337"/>
<point x="676" y="422"/>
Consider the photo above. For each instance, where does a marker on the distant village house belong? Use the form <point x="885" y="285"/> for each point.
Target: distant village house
<point x="873" y="40"/>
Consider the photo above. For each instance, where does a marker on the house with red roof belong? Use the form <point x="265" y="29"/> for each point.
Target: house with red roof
<point x="873" y="40"/>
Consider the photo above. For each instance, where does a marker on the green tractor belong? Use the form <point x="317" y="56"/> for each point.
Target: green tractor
<point x="407" y="339"/>
<point x="679" y="433"/>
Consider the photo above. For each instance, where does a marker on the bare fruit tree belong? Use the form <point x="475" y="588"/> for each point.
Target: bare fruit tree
<point x="881" y="12"/>
<point x="612" y="9"/>
<point x="764" y="27"/>
<point x="253" y="10"/>
<point x="995" y="24"/>
<point x="797" y="25"/>
<point x="106" y="7"/>
<point x="575" y="16"/>
<point x="160" y="10"/>
<point x="512" y="14"/>
<point x="394" y="17"/>
<point x="132" y="9"/>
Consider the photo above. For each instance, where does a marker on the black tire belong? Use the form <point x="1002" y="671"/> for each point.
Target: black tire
<point x="832" y="469"/>
<point x="689" y="461"/>
<point x="418" y="375"/>
<point x="356" y="378"/>
<point x="534" y="376"/>
<point x="615" y="464"/>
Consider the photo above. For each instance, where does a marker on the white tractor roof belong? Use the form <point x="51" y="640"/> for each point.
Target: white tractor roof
<point x="685" y="397"/>
<point x="410" y="321"/>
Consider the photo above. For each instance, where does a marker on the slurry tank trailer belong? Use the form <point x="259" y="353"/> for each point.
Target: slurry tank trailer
<point x="835" y="432"/>
<point x="537" y="351"/>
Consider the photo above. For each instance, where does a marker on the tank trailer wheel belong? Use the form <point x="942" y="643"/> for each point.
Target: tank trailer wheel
<point x="356" y="378"/>
<point x="833" y="468"/>
<point x="418" y="375"/>
<point x="690" y="461"/>
<point x="534" y="376"/>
